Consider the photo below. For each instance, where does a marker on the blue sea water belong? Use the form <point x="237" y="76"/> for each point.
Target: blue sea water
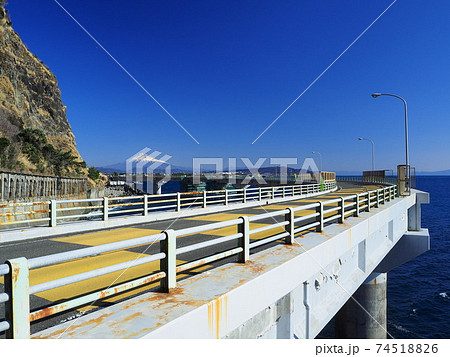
<point x="419" y="291"/>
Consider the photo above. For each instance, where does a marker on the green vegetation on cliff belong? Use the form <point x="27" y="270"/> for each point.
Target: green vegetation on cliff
<point x="34" y="145"/>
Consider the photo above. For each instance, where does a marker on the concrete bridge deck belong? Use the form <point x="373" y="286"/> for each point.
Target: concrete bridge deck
<point x="45" y="246"/>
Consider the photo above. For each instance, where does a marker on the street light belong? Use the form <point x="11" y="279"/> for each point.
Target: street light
<point x="373" y="156"/>
<point x="376" y="95"/>
<point x="320" y="156"/>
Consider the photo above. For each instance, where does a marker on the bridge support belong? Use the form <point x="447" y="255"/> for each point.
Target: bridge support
<point x="365" y="317"/>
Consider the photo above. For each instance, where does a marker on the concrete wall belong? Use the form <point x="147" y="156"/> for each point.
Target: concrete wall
<point x="25" y="196"/>
<point x="16" y="187"/>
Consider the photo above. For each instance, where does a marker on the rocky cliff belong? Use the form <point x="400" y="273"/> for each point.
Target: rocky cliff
<point x="35" y="135"/>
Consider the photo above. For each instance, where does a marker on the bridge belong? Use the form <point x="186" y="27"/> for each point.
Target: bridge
<point x="267" y="262"/>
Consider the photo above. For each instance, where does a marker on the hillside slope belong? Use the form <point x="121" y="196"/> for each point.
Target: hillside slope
<point x="35" y="135"/>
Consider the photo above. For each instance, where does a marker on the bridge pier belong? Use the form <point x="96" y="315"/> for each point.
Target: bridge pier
<point x="365" y="317"/>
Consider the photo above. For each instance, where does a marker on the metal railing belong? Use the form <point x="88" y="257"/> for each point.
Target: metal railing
<point x="54" y="212"/>
<point x="368" y="179"/>
<point x="243" y="242"/>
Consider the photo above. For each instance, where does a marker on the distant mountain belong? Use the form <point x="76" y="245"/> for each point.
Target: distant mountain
<point x="107" y="170"/>
<point x="121" y="167"/>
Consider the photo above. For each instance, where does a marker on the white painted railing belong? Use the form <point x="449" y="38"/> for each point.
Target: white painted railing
<point x="282" y="231"/>
<point x="53" y="212"/>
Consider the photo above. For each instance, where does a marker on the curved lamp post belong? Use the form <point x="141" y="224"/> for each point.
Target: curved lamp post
<point x="373" y="156"/>
<point x="320" y="156"/>
<point x="375" y="95"/>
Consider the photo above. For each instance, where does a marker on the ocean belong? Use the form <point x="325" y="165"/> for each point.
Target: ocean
<point x="419" y="291"/>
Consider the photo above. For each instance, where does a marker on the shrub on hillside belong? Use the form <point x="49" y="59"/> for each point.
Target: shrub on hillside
<point x="94" y="174"/>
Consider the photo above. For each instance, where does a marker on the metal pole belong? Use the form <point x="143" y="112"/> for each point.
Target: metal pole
<point x="373" y="152"/>
<point x="373" y="156"/>
<point x="408" y="178"/>
<point x="244" y="241"/>
<point x="375" y="95"/>
<point x="17" y="309"/>
<point x="168" y="265"/>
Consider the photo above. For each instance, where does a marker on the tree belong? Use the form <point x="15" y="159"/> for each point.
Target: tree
<point x="93" y="174"/>
<point x="4" y="143"/>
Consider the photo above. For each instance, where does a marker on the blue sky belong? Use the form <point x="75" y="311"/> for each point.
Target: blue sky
<point x="226" y="69"/>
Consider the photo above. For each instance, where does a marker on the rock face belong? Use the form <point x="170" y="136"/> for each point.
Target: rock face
<point x="30" y="99"/>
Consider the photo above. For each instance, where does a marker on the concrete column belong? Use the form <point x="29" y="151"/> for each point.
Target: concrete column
<point x="414" y="212"/>
<point x="365" y="318"/>
<point x="2" y="177"/>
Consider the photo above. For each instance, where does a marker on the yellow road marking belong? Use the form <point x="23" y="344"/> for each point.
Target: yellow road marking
<point x="226" y="231"/>
<point x="104" y="237"/>
<point x="41" y="275"/>
<point x="218" y="217"/>
<point x="274" y="207"/>
<point x="58" y="271"/>
<point x="268" y="233"/>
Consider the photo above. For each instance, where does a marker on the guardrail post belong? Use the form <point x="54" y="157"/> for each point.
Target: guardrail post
<point x="226" y="197"/>
<point x="342" y="210"/>
<point x="284" y="191"/>
<point x="368" y="201"/>
<point x="273" y="192"/>
<point x="17" y="308"/>
<point x="290" y="227"/>
<point x="244" y="241"/>
<point x="178" y="201"/>
<point x="357" y="205"/>
<point x="259" y="194"/>
<point x="145" y="205"/>
<point x="169" y="264"/>
<point x="53" y="212"/>
<point x="105" y="208"/>
<point x="204" y="199"/>
<point x="319" y="218"/>
<point x="378" y="198"/>
<point x="244" y="195"/>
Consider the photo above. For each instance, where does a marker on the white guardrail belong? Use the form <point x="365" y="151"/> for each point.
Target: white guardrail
<point x="53" y="212"/>
<point x="16" y="271"/>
